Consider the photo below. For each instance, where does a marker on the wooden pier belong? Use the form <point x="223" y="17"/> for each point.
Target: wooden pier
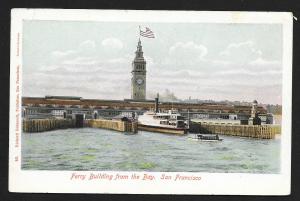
<point x="40" y="125"/>
<point x="117" y="125"/>
<point x="253" y="131"/>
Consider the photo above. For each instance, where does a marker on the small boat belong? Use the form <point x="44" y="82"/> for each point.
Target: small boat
<point x="206" y="137"/>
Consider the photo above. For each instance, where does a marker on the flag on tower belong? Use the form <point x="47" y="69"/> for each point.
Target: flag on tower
<point x="147" y="33"/>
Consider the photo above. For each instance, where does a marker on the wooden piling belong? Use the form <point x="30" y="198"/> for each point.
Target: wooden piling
<point x="252" y="131"/>
<point x="40" y="125"/>
<point x="117" y="125"/>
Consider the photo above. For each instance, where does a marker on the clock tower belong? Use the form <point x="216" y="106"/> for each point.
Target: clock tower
<point x="138" y="78"/>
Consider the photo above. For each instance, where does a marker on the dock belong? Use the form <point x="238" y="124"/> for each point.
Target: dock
<point x="41" y="125"/>
<point x="117" y="125"/>
<point x="252" y="131"/>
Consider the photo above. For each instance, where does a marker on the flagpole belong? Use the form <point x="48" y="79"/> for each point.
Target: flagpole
<point x="139" y="32"/>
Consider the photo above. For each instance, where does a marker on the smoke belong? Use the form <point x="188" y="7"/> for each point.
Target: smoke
<point x="166" y="96"/>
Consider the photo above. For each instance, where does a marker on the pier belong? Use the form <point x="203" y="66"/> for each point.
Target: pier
<point x="41" y="125"/>
<point x="117" y="125"/>
<point x="253" y="131"/>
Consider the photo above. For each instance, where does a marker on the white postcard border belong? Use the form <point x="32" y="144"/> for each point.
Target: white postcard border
<point x="209" y="183"/>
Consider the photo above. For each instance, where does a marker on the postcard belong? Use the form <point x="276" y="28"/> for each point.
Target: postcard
<point x="150" y="102"/>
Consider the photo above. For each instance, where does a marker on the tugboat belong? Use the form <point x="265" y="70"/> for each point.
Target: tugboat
<point x="170" y="122"/>
<point x="206" y="138"/>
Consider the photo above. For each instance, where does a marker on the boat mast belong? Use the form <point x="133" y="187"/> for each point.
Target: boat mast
<point x="156" y="103"/>
<point x="188" y="123"/>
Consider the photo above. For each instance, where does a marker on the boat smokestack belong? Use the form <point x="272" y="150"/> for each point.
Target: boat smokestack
<point x="156" y="103"/>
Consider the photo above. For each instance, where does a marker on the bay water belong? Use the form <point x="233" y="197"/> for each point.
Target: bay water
<point x="105" y="150"/>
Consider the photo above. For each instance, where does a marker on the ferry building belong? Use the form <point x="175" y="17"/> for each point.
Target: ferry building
<point x="68" y="106"/>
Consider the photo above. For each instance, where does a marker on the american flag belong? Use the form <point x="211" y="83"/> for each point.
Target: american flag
<point x="147" y="33"/>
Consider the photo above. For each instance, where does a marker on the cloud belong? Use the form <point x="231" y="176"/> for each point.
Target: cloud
<point x="185" y="74"/>
<point x="48" y="67"/>
<point x="221" y="62"/>
<point x="86" y="56"/>
<point x="270" y="93"/>
<point x="62" y="81"/>
<point x="184" y="55"/>
<point x="262" y="62"/>
<point x="187" y="50"/>
<point x="241" y="52"/>
<point x="248" y="72"/>
<point x="185" y="68"/>
<point x="58" y="53"/>
<point x="113" y="43"/>
<point x="123" y="60"/>
<point x="149" y="61"/>
<point x="87" y="44"/>
<point x="84" y="48"/>
<point x="80" y="61"/>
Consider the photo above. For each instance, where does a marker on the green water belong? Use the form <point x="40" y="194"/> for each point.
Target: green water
<point x="100" y="150"/>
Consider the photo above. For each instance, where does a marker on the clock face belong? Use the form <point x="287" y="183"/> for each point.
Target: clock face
<point x="139" y="81"/>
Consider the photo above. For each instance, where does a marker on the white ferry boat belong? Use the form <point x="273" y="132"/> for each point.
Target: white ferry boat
<point x="170" y="122"/>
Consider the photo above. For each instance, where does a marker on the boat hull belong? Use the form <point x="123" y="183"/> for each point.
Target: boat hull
<point x="175" y="131"/>
<point x="201" y="140"/>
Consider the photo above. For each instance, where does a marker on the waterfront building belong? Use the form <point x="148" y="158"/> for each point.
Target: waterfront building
<point x="41" y="107"/>
<point x="58" y="113"/>
<point x="218" y="121"/>
<point x="254" y="119"/>
<point x="267" y="118"/>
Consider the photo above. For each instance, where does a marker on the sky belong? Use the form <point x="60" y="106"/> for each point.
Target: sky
<point x="236" y="62"/>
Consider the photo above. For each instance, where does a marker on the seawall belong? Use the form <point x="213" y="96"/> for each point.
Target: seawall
<point x="40" y="125"/>
<point x="253" y="131"/>
<point x="117" y="125"/>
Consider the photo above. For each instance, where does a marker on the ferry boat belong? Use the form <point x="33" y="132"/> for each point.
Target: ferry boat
<point x="170" y="122"/>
